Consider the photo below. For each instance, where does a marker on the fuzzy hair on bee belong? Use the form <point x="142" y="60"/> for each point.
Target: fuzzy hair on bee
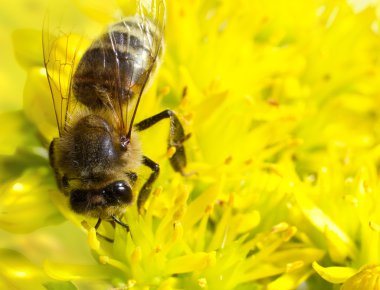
<point x="97" y="154"/>
<point x="87" y="156"/>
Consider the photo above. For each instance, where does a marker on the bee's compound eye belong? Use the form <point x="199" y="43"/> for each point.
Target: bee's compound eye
<point x="120" y="191"/>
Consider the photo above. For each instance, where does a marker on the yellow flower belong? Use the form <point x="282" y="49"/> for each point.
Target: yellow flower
<point x="281" y="102"/>
<point x="338" y="189"/>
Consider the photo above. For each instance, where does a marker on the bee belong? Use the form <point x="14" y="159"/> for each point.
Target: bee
<point x="97" y="153"/>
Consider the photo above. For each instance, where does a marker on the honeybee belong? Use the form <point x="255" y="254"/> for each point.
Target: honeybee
<point x="97" y="153"/>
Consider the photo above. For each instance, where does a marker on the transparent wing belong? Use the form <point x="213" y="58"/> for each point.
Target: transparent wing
<point x="60" y="51"/>
<point x="153" y="15"/>
<point x="136" y="42"/>
<point x="111" y="73"/>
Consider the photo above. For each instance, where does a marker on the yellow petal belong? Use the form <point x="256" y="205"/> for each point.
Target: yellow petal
<point x="367" y="278"/>
<point x="191" y="263"/>
<point x="29" y="55"/>
<point x="17" y="272"/>
<point x="67" y="272"/>
<point x="25" y="203"/>
<point x="14" y="135"/>
<point x="334" y="275"/>
<point x="341" y="245"/>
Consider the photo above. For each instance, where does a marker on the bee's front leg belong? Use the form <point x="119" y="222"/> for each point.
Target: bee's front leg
<point x="118" y="221"/>
<point x="100" y="235"/>
<point x="147" y="187"/>
<point x="176" y="137"/>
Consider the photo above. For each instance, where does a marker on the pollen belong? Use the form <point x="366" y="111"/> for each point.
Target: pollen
<point x="136" y="255"/>
<point x="164" y="91"/>
<point x="104" y="259"/>
<point x="171" y="151"/>
<point x="157" y="191"/>
<point x="202" y="282"/>
<point x="158" y="248"/>
<point x="209" y="208"/>
<point x="294" y="266"/>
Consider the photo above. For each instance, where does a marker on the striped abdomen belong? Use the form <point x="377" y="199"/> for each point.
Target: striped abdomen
<point x="118" y="64"/>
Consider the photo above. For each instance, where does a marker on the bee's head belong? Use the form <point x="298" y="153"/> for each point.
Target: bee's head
<point x="98" y="201"/>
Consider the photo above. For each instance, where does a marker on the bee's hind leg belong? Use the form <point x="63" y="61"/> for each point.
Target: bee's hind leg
<point x="147" y="187"/>
<point x="176" y="137"/>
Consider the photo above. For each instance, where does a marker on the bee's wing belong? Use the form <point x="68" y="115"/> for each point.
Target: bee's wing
<point x="142" y="40"/>
<point x="60" y="51"/>
<point x="120" y="64"/>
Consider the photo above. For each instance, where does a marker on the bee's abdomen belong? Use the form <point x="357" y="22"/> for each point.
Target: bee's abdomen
<point x="117" y="64"/>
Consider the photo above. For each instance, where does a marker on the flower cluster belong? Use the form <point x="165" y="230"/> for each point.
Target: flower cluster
<point x="281" y="101"/>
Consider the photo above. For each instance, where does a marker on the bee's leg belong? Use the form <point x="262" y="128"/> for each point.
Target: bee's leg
<point x="98" y="223"/>
<point x="51" y="151"/>
<point x="147" y="187"/>
<point x="176" y="137"/>
<point x="100" y="235"/>
<point x="61" y="179"/>
<point x="116" y="220"/>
